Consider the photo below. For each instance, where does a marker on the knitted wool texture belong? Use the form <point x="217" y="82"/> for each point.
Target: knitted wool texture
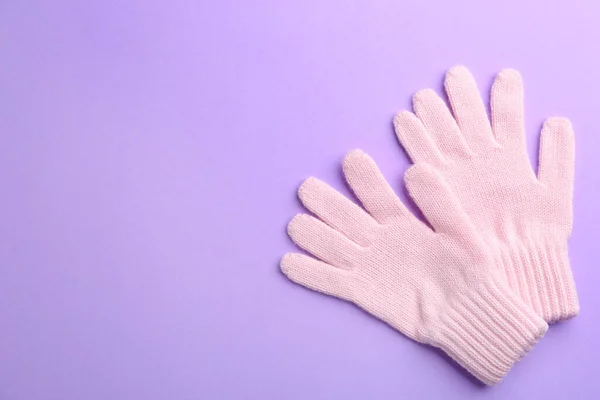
<point x="435" y="286"/>
<point x="525" y="220"/>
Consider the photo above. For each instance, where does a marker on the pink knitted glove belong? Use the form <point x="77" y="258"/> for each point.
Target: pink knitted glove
<point x="435" y="286"/>
<point x="524" y="220"/>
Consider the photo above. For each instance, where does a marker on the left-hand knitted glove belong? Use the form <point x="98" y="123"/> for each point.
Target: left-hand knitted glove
<point x="524" y="219"/>
<point x="436" y="286"/>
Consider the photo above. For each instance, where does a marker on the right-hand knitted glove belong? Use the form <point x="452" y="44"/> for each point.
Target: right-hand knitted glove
<point x="435" y="286"/>
<point x="525" y="220"/>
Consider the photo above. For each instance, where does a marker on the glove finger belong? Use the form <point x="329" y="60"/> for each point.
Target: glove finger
<point x="468" y="109"/>
<point x="438" y="121"/>
<point x="323" y="241"/>
<point x="415" y="139"/>
<point x="557" y="155"/>
<point x="317" y="275"/>
<point x="371" y="188"/>
<point x="439" y="205"/>
<point x="507" y="109"/>
<point x="337" y="211"/>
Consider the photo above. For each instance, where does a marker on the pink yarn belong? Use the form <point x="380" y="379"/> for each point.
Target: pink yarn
<point x="524" y="220"/>
<point x="438" y="287"/>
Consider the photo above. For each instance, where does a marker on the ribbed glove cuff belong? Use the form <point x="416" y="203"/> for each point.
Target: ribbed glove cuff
<point x="540" y="274"/>
<point x="489" y="330"/>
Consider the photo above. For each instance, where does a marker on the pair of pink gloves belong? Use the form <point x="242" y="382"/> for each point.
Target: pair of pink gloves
<point x="491" y="269"/>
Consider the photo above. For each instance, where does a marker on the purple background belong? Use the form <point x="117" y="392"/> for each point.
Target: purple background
<point x="149" y="157"/>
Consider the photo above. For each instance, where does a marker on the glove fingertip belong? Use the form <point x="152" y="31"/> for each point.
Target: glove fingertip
<point x="420" y="173"/>
<point x="296" y="224"/>
<point x="307" y="187"/>
<point x="353" y="157"/>
<point x="287" y="262"/>
<point x="509" y="75"/>
<point x="557" y="125"/>
<point x="458" y="71"/>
